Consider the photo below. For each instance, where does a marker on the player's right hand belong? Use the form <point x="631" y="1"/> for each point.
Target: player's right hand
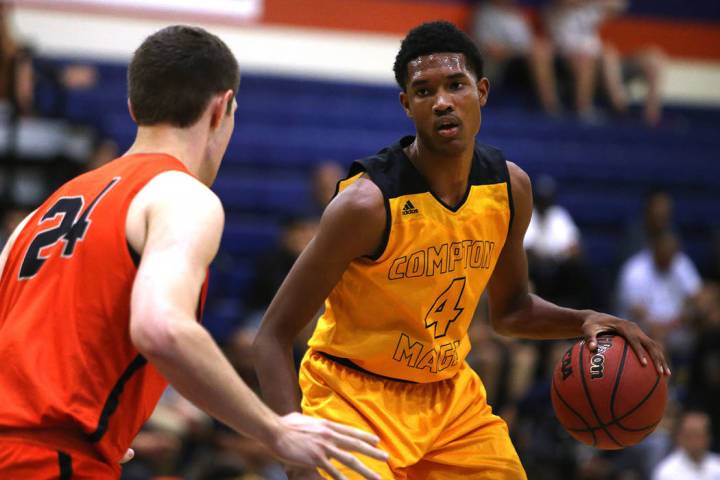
<point x="311" y="443"/>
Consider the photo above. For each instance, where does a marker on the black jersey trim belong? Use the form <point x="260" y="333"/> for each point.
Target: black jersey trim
<point x="386" y="232"/>
<point x="392" y="171"/>
<point x="113" y="400"/>
<point x="396" y="176"/>
<point x="346" y="362"/>
<point x="65" y="465"/>
<point x="461" y="202"/>
<point x="511" y="202"/>
<point x="360" y="167"/>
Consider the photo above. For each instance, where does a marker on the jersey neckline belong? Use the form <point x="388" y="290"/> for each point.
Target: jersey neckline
<point x="399" y="147"/>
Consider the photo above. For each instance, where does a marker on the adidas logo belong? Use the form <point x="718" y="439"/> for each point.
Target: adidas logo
<point x="409" y="208"/>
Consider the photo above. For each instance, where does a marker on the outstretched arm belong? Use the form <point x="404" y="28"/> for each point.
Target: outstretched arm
<point x="352" y="226"/>
<point x="184" y="223"/>
<point x="515" y="312"/>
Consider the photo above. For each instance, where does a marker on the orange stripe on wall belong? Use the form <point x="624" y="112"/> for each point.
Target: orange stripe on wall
<point x="386" y="16"/>
<point x="686" y="39"/>
<point x="681" y="39"/>
<point x="678" y="39"/>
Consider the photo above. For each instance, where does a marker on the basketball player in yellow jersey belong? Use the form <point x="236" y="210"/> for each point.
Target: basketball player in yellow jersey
<point x="414" y="236"/>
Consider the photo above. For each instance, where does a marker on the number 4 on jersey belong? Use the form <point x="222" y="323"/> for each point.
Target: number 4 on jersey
<point x="71" y="230"/>
<point x="446" y="308"/>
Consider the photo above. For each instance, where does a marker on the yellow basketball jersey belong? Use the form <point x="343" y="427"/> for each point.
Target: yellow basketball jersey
<point x="404" y="313"/>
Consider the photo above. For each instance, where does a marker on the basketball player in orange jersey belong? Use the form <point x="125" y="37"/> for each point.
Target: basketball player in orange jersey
<point x="403" y="253"/>
<point x="102" y="287"/>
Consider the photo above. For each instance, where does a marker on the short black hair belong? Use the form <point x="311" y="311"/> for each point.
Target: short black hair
<point x="175" y="72"/>
<point x="435" y="37"/>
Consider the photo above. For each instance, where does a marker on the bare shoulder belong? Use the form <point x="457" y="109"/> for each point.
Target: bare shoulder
<point x="355" y="218"/>
<point x="521" y="197"/>
<point x="173" y="201"/>
<point x="362" y="203"/>
<point x="362" y="198"/>
<point x="519" y="179"/>
<point x="179" y="187"/>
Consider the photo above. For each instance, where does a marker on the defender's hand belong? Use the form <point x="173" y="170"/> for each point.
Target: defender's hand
<point x="597" y="323"/>
<point x="311" y="443"/>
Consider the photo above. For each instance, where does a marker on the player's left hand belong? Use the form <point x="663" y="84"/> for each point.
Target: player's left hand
<point x="128" y="456"/>
<point x="596" y="323"/>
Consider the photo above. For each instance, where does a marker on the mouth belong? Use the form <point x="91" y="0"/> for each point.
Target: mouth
<point x="448" y="128"/>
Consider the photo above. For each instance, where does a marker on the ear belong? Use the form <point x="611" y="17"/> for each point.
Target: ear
<point x="130" y="109"/>
<point x="405" y="103"/>
<point x="220" y="106"/>
<point x="483" y="88"/>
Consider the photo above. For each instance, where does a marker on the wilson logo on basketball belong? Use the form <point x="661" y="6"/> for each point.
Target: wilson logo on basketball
<point x="597" y="361"/>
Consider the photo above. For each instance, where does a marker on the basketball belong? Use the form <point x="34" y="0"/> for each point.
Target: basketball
<point x="607" y="399"/>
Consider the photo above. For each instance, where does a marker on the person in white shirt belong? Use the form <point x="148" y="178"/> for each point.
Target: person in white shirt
<point x="655" y="284"/>
<point x="691" y="460"/>
<point x="553" y="245"/>
<point x="552" y="233"/>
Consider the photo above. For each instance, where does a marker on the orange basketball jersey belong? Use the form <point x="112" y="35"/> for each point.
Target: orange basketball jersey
<point x="68" y="364"/>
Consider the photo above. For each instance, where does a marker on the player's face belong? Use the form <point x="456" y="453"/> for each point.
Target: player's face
<point x="443" y="98"/>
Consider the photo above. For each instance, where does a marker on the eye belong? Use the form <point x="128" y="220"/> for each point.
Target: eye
<point x="422" y="92"/>
<point x="456" y="85"/>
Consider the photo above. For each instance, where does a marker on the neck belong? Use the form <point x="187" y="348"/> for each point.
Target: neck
<point x="185" y="144"/>
<point x="696" y="457"/>
<point x="447" y="174"/>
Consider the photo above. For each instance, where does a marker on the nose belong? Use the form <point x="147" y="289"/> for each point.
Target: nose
<point x="443" y="103"/>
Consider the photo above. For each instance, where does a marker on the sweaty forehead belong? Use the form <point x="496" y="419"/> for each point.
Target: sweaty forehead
<point x="453" y="62"/>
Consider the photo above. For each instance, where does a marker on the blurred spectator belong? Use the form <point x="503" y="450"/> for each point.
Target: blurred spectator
<point x="16" y="71"/>
<point x="655" y="284"/>
<point x="711" y="270"/>
<point x="657" y="217"/>
<point x="574" y="27"/>
<point x="11" y="219"/>
<point x="169" y="438"/>
<point x="691" y="460"/>
<point x="104" y="151"/>
<point x="271" y="268"/>
<point x="510" y="48"/>
<point x="324" y="184"/>
<point x="552" y="233"/>
<point x="491" y="358"/>
<point x="704" y="372"/>
<point x="19" y="73"/>
<point x="552" y="241"/>
<point x="238" y="450"/>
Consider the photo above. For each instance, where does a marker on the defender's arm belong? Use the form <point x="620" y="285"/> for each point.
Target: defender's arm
<point x="182" y="237"/>
<point x="184" y="224"/>
<point x="352" y="226"/>
<point x="516" y="312"/>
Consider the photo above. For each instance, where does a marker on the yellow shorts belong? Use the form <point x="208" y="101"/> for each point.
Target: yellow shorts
<point x="440" y="430"/>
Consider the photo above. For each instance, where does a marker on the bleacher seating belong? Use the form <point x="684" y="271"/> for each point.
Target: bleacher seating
<point x="285" y="126"/>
